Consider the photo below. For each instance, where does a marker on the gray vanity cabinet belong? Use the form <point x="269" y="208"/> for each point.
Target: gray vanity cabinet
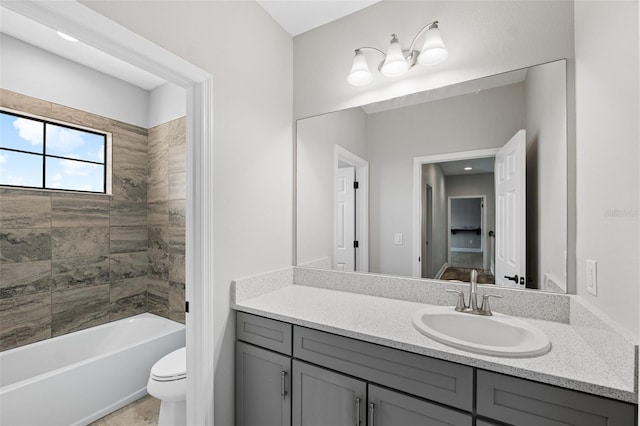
<point x="263" y="385"/>
<point x="263" y="374"/>
<point x="322" y="397"/>
<point x="525" y="403"/>
<point x="389" y="408"/>
<point x="295" y="375"/>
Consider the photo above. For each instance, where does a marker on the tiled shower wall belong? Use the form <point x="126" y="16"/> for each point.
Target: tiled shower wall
<point x="69" y="261"/>
<point x="166" y="193"/>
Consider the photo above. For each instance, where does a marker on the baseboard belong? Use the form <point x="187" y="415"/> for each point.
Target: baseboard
<point x="466" y="250"/>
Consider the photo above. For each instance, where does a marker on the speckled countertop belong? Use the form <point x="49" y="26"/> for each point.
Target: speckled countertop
<point x="571" y="363"/>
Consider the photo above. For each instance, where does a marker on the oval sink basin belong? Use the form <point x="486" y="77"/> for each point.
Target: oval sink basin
<point x="497" y="335"/>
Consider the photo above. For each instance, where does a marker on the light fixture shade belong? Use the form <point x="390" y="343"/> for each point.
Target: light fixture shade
<point x="395" y="63"/>
<point x="433" y="51"/>
<point x="360" y="74"/>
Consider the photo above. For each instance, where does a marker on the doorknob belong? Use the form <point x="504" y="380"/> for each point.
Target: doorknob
<point x="514" y="278"/>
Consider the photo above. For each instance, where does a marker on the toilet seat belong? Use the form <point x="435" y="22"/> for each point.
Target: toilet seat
<point x="171" y="367"/>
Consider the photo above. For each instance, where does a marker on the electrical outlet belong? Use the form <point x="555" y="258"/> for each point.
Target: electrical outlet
<point x="397" y="239"/>
<point x="592" y="277"/>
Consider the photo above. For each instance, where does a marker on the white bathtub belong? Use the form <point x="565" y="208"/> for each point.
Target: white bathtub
<point x="79" y="377"/>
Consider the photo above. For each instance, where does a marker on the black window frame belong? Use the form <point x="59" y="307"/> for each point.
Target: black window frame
<point x="44" y="154"/>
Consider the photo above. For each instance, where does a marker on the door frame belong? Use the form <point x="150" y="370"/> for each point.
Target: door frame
<point x="98" y="31"/>
<point x="417" y="193"/>
<point x="483" y="221"/>
<point x="362" y="202"/>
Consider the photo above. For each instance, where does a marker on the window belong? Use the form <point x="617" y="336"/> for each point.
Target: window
<point x="38" y="153"/>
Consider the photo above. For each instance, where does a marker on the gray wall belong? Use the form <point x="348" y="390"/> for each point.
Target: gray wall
<point x="546" y="174"/>
<point x="252" y="130"/>
<point x="315" y="153"/>
<point x="395" y="137"/>
<point x="432" y="175"/>
<point x="607" y="134"/>
<point x="69" y="261"/>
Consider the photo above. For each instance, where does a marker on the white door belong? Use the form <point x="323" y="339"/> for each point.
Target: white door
<point x="344" y="222"/>
<point x="510" y="180"/>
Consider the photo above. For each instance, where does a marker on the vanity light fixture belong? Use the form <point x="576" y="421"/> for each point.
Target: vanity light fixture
<point x="398" y="61"/>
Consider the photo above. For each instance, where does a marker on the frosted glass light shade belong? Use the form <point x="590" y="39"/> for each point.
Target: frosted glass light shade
<point x="433" y="51"/>
<point x="360" y="74"/>
<point x="395" y="63"/>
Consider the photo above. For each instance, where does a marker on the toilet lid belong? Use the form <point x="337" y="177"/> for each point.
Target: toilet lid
<point x="171" y="367"/>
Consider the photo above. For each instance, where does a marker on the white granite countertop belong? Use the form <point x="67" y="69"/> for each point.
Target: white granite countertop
<point x="571" y="363"/>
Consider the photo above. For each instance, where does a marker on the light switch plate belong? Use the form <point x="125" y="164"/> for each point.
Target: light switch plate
<point x="592" y="277"/>
<point x="397" y="239"/>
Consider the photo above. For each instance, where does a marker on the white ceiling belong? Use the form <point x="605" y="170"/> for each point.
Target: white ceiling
<point x="32" y="32"/>
<point x="478" y="165"/>
<point x="299" y="16"/>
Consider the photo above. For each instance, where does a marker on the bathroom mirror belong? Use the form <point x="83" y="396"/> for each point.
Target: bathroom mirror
<point x="433" y="184"/>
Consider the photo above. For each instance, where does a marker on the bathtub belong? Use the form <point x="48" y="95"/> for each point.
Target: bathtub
<point x="79" y="377"/>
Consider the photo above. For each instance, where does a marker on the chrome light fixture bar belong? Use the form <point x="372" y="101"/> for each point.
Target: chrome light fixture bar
<point x="398" y="61"/>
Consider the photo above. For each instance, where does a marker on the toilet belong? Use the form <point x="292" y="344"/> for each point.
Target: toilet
<point x="167" y="382"/>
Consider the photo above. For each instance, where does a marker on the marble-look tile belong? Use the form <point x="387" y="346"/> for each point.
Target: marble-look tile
<point x="80" y="271"/>
<point x="77" y="212"/>
<point x="25" y="245"/>
<point x="129" y="172"/>
<point x="158" y="214"/>
<point x="143" y="412"/>
<point x="177" y="214"/>
<point x="158" y="172"/>
<point x="25" y="211"/>
<point x="128" y="239"/>
<point x="7" y="333"/>
<point x="128" y="129"/>
<point x="176" y="268"/>
<point x="79" y="308"/>
<point x="158" y="238"/>
<point x="176" y="239"/>
<point x="77" y="242"/>
<point x="177" y="159"/>
<point x="82" y="118"/>
<point x="128" y="213"/>
<point x="158" y="267"/>
<point x="27" y="318"/>
<point x="20" y="102"/>
<point x="158" y="250"/>
<point x="176" y="301"/>
<point x="129" y="265"/>
<point x="177" y="132"/>
<point x="158" y="296"/>
<point x="128" y="297"/>
<point x="19" y="279"/>
<point x="178" y="186"/>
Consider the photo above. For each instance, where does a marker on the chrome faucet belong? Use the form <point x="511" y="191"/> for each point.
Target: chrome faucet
<point x="472" y="306"/>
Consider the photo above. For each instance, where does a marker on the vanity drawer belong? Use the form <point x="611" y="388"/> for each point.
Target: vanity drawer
<point x="524" y="403"/>
<point x="265" y="332"/>
<point x="432" y="379"/>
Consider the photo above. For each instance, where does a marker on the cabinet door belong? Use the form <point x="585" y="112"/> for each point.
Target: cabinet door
<point x="263" y="387"/>
<point x="389" y="408"/>
<point x="322" y="397"/>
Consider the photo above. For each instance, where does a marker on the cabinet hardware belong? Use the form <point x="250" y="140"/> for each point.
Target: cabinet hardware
<point x="283" y="391"/>
<point x="357" y="411"/>
<point x="372" y="407"/>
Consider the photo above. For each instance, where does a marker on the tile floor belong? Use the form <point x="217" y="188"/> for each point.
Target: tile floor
<point x="142" y="412"/>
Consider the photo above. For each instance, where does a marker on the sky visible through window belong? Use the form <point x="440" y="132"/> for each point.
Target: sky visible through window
<point x="25" y="168"/>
